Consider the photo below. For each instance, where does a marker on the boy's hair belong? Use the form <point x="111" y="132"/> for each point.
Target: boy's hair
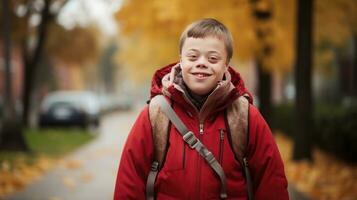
<point x="208" y="27"/>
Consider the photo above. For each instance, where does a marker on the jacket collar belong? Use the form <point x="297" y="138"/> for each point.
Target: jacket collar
<point x="173" y="83"/>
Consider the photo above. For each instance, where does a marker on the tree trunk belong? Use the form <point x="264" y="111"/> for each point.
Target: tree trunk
<point x="264" y="76"/>
<point x="31" y="62"/>
<point x="354" y="67"/>
<point x="11" y="137"/>
<point x="264" y="92"/>
<point x="304" y="125"/>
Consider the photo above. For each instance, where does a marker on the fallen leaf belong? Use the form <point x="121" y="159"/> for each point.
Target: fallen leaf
<point x="73" y="164"/>
<point x="69" y="182"/>
<point x="86" y="177"/>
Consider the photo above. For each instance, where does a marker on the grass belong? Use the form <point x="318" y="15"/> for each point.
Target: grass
<point x="52" y="143"/>
<point x="56" y="142"/>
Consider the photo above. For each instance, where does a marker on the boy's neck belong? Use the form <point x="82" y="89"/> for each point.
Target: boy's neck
<point x="196" y="99"/>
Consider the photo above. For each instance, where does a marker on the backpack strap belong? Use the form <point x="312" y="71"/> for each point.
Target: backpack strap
<point x="160" y="127"/>
<point x="193" y="142"/>
<point x="237" y="118"/>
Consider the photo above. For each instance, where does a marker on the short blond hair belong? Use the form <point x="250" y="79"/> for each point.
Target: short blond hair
<point x="208" y="27"/>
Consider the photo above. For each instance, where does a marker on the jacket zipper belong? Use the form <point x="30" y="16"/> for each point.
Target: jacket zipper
<point x="201" y="131"/>
<point x="199" y="164"/>
<point x="221" y="138"/>
<point x="201" y="128"/>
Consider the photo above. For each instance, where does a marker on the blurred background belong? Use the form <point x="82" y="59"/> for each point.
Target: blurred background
<point x="79" y="63"/>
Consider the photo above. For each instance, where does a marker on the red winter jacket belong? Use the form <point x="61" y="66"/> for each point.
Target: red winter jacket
<point x="185" y="174"/>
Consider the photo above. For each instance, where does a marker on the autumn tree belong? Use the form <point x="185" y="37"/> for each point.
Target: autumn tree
<point x="35" y="31"/>
<point x="29" y="20"/>
<point x="262" y="11"/>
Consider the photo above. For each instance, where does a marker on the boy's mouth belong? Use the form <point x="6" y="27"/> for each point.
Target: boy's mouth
<point x="201" y="74"/>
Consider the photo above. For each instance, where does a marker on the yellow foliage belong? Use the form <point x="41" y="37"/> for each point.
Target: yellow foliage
<point x="326" y="178"/>
<point x="143" y="55"/>
<point x="20" y="173"/>
<point x="153" y="23"/>
<point x="14" y="178"/>
<point x="152" y="30"/>
<point x="336" y="21"/>
<point x="77" y="46"/>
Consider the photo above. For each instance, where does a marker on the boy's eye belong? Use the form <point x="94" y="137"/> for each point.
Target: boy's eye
<point x="192" y="57"/>
<point x="213" y="59"/>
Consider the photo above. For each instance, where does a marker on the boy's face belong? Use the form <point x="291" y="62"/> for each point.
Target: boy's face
<point x="203" y="63"/>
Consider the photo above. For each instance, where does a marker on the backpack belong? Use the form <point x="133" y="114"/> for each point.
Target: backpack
<point x="161" y="114"/>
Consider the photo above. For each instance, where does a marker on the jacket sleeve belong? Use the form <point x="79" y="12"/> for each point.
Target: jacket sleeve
<point x="264" y="160"/>
<point x="135" y="160"/>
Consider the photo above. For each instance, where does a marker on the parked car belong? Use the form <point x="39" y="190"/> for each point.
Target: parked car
<point x="111" y="103"/>
<point x="66" y="108"/>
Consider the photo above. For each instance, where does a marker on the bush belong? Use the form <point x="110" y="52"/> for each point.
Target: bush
<point x="283" y="119"/>
<point x="334" y="128"/>
<point x="335" y="131"/>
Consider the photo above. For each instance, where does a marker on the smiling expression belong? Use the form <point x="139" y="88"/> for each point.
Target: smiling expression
<point x="203" y="63"/>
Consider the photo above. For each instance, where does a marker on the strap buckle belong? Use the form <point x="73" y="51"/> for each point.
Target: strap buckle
<point x="190" y="139"/>
<point x="154" y="166"/>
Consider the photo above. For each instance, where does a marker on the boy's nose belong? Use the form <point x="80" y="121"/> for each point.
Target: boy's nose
<point x="201" y="66"/>
<point x="201" y="63"/>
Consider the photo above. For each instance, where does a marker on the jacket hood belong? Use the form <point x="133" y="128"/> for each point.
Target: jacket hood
<point x="236" y="80"/>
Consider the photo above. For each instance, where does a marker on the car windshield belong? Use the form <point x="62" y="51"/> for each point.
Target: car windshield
<point x="84" y="100"/>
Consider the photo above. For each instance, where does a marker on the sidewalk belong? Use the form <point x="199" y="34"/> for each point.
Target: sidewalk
<point x="90" y="172"/>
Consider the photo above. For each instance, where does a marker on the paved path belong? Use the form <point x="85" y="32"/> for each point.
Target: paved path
<point x="90" y="172"/>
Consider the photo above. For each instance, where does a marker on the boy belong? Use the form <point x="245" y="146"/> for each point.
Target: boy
<point x="201" y="88"/>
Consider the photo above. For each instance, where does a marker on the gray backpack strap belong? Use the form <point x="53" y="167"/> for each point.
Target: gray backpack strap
<point x="160" y="126"/>
<point x="150" y="182"/>
<point x="193" y="142"/>
<point x="237" y="117"/>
